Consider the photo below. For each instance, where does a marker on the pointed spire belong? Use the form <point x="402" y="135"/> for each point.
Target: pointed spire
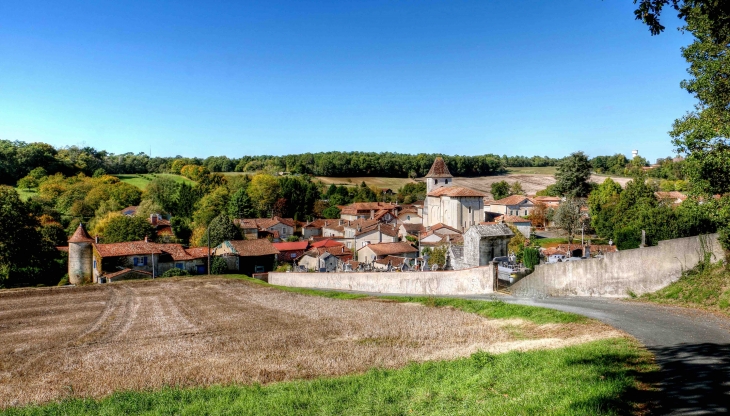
<point x="80" y="236"/>
<point x="439" y="169"/>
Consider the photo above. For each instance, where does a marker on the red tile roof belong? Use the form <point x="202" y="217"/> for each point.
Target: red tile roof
<point x="441" y="226"/>
<point x="439" y="169"/>
<point x="384" y="249"/>
<point x="129" y="248"/>
<point x="253" y="248"/>
<point x="197" y="252"/>
<point x="291" y="246"/>
<point x="456" y="191"/>
<point x="80" y="236"/>
<point x="510" y="200"/>
<point x="328" y="242"/>
<point x="263" y="223"/>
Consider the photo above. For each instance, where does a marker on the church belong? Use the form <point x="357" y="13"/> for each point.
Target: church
<point x="455" y="206"/>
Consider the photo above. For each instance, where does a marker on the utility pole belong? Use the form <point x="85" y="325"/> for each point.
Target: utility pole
<point x="208" y="232"/>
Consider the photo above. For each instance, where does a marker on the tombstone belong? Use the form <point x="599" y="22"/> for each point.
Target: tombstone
<point x="643" y="238"/>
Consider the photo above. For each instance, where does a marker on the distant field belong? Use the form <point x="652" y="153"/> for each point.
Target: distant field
<point x="141" y="181"/>
<point x="380" y="182"/>
<point x="195" y="332"/>
<point x="543" y="170"/>
<point x="25" y="194"/>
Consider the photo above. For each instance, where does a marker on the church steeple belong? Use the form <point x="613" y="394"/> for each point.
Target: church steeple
<point x="438" y="176"/>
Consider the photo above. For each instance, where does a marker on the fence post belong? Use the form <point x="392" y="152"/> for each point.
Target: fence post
<point x="495" y="276"/>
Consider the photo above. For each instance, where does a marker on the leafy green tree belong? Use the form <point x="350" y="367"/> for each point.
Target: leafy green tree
<point x="549" y="191"/>
<point x="571" y="178"/>
<point x="27" y="257"/>
<point x="27" y="182"/>
<point x="500" y="189"/>
<point x="124" y="228"/>
<point x="569" y="217"/>
<point x="186" y="199"/>
<point x="164" y="192"/>
<point x="516" y="188"/>
<point x="218" y="265"/>
<point x="240" y="205"/>
<point x="331" y="213"/>
<point x="222" y="229"/>
<point x="264" y="191"/>
<point x="181" y="228"/>
<point x="210" y="206"/>
<point x="531" y="257"/>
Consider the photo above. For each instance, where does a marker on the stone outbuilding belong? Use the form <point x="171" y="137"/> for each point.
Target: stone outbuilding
<point x="482" y="243"/>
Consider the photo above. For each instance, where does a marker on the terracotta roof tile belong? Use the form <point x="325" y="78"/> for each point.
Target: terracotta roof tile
<point x="291" y="246"/>
<point x="384" y="249"/>
<point x="80" y="236"/>
<point x="253" y="248"/>
<point x="395" y="261"/>
<point x="327" y="242"/>
<point x="129" y="248"/>
<point x="456" y="191"/>
<point x="439" y="169"/>
<point x="510" y="200"/>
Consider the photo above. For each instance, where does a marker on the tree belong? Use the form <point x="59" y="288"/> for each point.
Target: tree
<point x="538" y="216"/>
<point x="516" y="189"/>
<point x="210" y="206"/>
<point x="181" y="229"/>
<point x="164" y="192"/>
<point x="218" y="265"/>
<point x="500" y="189"/>
<point x="571" y="178"/>
<point x="240" y="205"/>
<point x="122" y="228"/>
<point x="531" y="257"/>
<point x="569" y="217"/>
<point x="148" y="207"/>
<point x="264" y="191"/>
<point x="549" y="191"/>
<point x="221" y="229"/>
<point x="331" y="213"/>
<point x="437" y="256"/>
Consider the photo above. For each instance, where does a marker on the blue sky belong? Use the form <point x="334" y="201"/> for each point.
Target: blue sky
<point x="200" y="78"/>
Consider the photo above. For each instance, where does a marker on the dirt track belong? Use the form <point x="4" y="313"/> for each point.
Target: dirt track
<point x="91" y="341"/>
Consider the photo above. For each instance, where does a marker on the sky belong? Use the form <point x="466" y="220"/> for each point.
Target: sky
<point x="514" y="77"/>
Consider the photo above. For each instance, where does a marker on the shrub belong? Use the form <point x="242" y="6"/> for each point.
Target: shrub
<point x="64" y="280"/>
<point x="175" y="272"/>
<point x="218" y="265"/>
<point x="531" y="257"/>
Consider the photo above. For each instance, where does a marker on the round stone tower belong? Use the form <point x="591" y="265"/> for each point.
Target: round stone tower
<point x="80" y="257"/>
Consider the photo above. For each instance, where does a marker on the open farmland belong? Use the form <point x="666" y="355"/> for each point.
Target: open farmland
<point x="92" y="341"/>
<point x="141" y="181"/>
<point x="379" y="182"/>
<point x="531" y="183"/>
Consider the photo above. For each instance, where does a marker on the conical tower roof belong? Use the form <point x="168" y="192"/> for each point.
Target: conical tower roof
<point x="80" y="236"/>
<point x="439" y="169"/>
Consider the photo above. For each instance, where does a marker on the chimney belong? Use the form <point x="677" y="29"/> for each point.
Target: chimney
<point x="145" y="239"/>
<point x="153" y="220"/>
<point x="343" y="249"/>
<point x="96" y="239"/>
<point x="372" y="214"/>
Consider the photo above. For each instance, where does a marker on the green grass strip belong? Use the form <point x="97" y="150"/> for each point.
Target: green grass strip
<point x="489" y="309"/>
<point x="598" y="378"/>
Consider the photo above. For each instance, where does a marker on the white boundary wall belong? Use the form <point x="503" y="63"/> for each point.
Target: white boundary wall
<point x="641" y="270"/>
<point x="474" y="281"/>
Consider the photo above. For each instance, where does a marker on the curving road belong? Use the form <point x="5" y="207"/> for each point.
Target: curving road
<point x="692" y="347"/>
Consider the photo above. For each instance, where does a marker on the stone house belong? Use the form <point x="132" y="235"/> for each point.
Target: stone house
<point x="523" y="226"/>
<point x="289" y="251"/>
<point x="482" y="243"/>
<point x="518" y="205"/>
<point x="313" y="229"/>
<point x="372" y="252"/>
<point x="325" y="258"/>
<point x="256" y="228"/>
<point x="248" y="256"/>
<point x="382" y="211"/>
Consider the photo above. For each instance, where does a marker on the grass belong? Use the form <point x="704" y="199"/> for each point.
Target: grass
<point x="25" y="194"/>
<point x="142" y="180"/>
<point x="379" y="182"/>
<point x="487" y="309"/>
<point x="704" y="287"/>
<point x="542" y="170"/>
<point x="602" y="377"/>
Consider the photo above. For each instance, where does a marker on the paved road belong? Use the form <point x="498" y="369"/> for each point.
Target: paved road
<point x="691" y="347"/>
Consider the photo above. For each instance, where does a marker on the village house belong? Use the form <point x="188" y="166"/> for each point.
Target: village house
<point x="143" y="256"/>
<point x="386" y="212"/>
<point x="327" y="259"/>
<point x="410" y="216"/>
<point x="372" y="252"/>
<point x="247" y="256"/>
<point x="518" y="205"/>
<point x="455" y="206"/>
<point x="312" y="229"/>
<point x="522" y="225"/>
<point x="289" y="251"/>
<point x="549" y="201"/>
<point x="256" y="228"/>
<point x="362" y="232"/>
<point x="413" y="230"/>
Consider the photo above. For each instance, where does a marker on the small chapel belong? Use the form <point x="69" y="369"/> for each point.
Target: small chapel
<point x="455" y="206"/>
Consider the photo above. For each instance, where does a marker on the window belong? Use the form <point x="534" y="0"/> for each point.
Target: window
<point x="436" y="181"/>
<point x="293" y="255"/>
<point x="95" y="263"/>
<point x="179" y="266"/>
<point x="259" y="269"/>
<point x="136" y="261"/>
<point x="525" y="212"/>
<point x="469" y="210"/>
<point x="144" y="261"/>
<point x="447" y="181"/>
<point x="408" y="217"/>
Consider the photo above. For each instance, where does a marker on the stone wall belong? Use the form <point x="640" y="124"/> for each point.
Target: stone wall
<point x="640" y="270"/>
<point x="475" y="281"/>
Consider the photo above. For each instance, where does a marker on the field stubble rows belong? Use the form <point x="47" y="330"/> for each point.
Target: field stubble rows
<point x="92" y="341"/>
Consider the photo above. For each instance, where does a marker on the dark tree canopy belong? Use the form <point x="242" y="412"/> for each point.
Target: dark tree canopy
<point x="571" y="178"/>
<point x="222" y="229"/>
<point x="124" y="228"/>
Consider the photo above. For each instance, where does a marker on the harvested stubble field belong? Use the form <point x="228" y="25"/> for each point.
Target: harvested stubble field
<point x="145" y="335"/>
